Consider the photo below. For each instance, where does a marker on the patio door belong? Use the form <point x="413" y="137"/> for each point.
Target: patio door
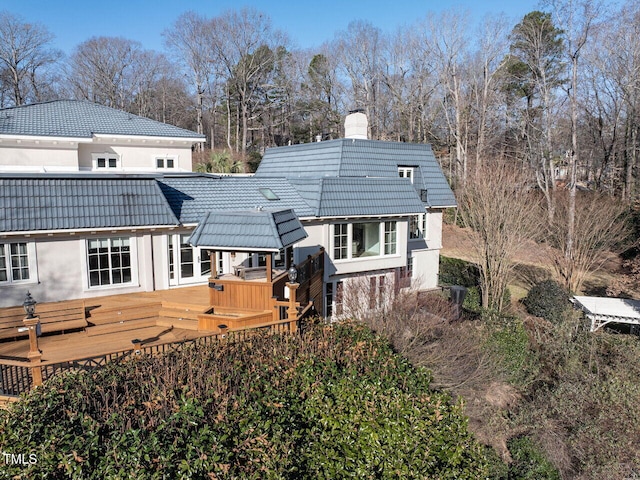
<point x="187" y="264"/>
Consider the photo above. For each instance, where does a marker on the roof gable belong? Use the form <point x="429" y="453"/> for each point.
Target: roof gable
<point x="262" y="230"/>
<point x="353" y="196"/>
<point x="82" y="119"/>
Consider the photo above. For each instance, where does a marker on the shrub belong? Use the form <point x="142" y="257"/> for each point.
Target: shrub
<point x="508" y="342"/>
<point x="454" y="271"/>
<point x="547" y="299"/>
<point x="332" y="402"/>
<point x="529" y="463"/>
<point x="473" y="301"/>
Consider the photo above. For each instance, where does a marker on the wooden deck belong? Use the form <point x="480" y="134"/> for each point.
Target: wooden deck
<point x="77" y="345"/>
<point x="106" y="327"/>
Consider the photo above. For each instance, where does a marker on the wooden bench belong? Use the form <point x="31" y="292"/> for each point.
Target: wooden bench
<point x="54" y="317"/>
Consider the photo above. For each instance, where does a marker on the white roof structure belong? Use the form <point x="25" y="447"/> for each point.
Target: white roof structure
<point x="604" y="310"/>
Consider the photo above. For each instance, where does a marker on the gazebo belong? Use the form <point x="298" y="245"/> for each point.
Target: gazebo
<point x="256" y="295"/>
<point x="605" y="310"/>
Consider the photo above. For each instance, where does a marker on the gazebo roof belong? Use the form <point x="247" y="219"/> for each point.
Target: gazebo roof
<point x="604" y="310"/>
<point x="248" y="230"/>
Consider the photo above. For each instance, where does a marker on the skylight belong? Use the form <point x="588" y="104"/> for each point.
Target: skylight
<point x="268" y="194"/>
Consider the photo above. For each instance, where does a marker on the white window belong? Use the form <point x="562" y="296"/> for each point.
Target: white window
<point x="390" y="238"/>
<point x="360" y="240"/>
<point x="15" y="263"/>
<point x="340" y="241"/>
<point x="109" y="261"/>
<point x="187" y="264"/>
<point x="406" y="172"/>
<point x="418" y="226"/>
<point x="106" y="161"/>
<point x="165" y="163"/>
<point x="333" y="298"/>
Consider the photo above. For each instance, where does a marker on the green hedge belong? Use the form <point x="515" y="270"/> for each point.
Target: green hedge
<point x="454" y="271"/>
<point x="335" y="402"/>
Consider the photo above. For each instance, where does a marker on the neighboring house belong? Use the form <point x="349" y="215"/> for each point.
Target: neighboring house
<point x="78" y="136"/>
<point x="375" y="207"/>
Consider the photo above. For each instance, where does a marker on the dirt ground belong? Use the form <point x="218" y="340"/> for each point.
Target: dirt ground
<point x="535" y="261"/>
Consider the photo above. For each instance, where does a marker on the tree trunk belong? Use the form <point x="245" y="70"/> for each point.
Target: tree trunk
<point x="573" y="158"/>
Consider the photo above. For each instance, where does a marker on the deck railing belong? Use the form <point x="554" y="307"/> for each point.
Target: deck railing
<point x="16" y="376"/>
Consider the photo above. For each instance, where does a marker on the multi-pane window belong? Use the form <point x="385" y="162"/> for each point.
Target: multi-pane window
<point x="14" y="262"/>
<point x="418" y="226"/>
<point x="186" y="257"/>
<point x="390" y="239"/>
<point x="106" y="161"/>
<point x="340" y="241"/>
<point x="205" y="262"/>
<point x="372" y="293"/>
<point x="333" y="298"/>
<point x="328" y="299"/>
<point x="220" y="260"/>
<point x="425" y="226"/>
<point x="165" y="162"/>
<point x="109" y="261"/>
<point x="406" y="172"/>
<point x="409" y="266"/>
<point x="339" y="298"/>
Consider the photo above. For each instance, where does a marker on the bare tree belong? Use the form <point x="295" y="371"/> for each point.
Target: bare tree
<point x="360" y="51"/>
<point x="101" y="70"/>
<point x="600" y="229"/>
<point x="25" y="56"/>
<point x="500" y="208"/>
<point x="613" y="105"/>
<point x="448" y="45"/>
<point x="189" y="40"/>
<point x="576" y="18"/>
<point x="485" y="69"/>
<point x="245" y="46"/>
<point x="534" y="73"/>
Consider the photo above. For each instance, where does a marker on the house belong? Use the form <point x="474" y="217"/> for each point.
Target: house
<point x="374" y="207"/>
<point x="80" y="136"/>
<point x="378" y="212"/>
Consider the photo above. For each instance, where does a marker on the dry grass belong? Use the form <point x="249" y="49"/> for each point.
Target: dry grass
<point x="423" y="330"/>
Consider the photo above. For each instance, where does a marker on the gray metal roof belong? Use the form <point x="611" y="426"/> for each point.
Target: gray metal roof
<point x="47" y="201"/>
<point x="355" y="196"/>
<point x="42" y="202"/>
<point x="82" y="119"/>
<point x="360" y="158"/>
<point x="192" y="196"/>
<point x="263" y="230"/>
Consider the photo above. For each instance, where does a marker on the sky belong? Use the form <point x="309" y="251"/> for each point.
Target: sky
<point x="307" y="23"/>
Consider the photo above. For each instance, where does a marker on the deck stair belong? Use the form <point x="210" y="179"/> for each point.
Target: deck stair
<point x="180" y="315"/>
<point x="122" y="318"/>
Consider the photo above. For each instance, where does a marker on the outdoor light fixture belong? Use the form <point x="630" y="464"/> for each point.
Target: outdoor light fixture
<point x="293" y="274"/>
<point x="29" y="305"/>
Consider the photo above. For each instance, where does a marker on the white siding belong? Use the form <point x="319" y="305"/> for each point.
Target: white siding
<point x="135" y="158"/>
<point x="45" y="156"/>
